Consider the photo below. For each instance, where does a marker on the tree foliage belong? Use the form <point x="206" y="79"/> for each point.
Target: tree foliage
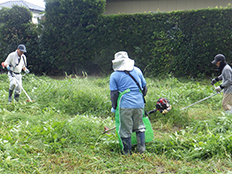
<point x="13" y="26"/>
<point x="67" y="38"/>
<point x="16" y="28"/>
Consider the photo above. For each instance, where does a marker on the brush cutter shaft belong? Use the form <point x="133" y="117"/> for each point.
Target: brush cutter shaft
<point x="109" y="130"/>
<point x="199" y="101"/>
<point x="23" y="89"/>
<point x="150" y="112"/>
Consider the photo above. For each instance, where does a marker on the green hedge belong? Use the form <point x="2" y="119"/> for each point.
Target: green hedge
<point x="183" y="43"/>
<point x="76" y="37"/>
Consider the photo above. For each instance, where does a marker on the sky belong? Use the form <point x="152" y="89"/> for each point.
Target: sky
<point x="40" y="3"/>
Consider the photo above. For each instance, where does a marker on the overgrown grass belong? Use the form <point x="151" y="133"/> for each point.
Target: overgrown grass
<point x="61" y="131"/>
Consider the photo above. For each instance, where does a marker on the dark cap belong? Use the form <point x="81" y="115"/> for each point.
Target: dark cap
<point x="218" y="57"/>
<point x="22" y="48"/>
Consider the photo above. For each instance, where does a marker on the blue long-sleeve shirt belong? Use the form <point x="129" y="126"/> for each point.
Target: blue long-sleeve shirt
<point x="121" y="81"/>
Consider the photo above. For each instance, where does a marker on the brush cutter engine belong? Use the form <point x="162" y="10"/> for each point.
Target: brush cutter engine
<point x="163" y="105"/>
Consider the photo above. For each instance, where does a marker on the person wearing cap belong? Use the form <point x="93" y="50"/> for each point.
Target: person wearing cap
<point x="15" y="63"/>
<point x="226" y="78"/>
<point x="132" y="103"/>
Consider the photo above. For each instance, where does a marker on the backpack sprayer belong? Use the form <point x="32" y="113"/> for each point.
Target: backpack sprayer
<point x="162" y="105"/>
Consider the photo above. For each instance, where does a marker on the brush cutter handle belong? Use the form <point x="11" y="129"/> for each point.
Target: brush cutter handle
<point x="215" y="80"/>
<point x="217" y="90"/>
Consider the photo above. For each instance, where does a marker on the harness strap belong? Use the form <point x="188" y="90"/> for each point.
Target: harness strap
<point x="127" y="72"/>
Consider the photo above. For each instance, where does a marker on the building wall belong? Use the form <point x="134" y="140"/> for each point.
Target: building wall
<point x="145" y="6"/>
<point x="35" y="16"/>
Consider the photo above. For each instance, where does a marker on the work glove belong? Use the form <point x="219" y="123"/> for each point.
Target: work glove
<point x="213" y="81"/>
<point x="218" y="89"/>
<point x="165" y="111"/>
<point x="113" y="110"/>
<point x="27" y="71"/>
<point x="8" y="68"/>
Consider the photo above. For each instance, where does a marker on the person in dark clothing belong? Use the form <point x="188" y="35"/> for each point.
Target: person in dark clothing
<point x="226" y="78"/>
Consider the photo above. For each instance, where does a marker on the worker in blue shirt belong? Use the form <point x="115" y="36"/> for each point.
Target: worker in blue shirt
<point x="132" y="103"/>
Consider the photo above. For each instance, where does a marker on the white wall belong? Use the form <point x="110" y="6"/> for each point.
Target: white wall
<point x="141" y="6"/>
<point x="35" y="17"/>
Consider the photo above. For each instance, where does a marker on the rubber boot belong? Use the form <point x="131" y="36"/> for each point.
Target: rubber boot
<point x="127" y="145"/>
<point x="140" y="142"/>
<point x="16" y="97"/>
<point x="10" y="96"/>
<point x="228" y="111"/>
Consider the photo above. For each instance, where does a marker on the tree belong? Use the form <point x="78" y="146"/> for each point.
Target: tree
<point x="16" y="28"/>
<point x="13" y="26"/>
<point x="68" y="28"/>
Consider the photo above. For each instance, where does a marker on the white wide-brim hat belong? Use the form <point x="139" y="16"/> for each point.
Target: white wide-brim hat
<point x="122" y="62"/>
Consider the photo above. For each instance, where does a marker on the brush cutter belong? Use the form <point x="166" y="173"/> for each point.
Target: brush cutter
<point x="162" y="105"/>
